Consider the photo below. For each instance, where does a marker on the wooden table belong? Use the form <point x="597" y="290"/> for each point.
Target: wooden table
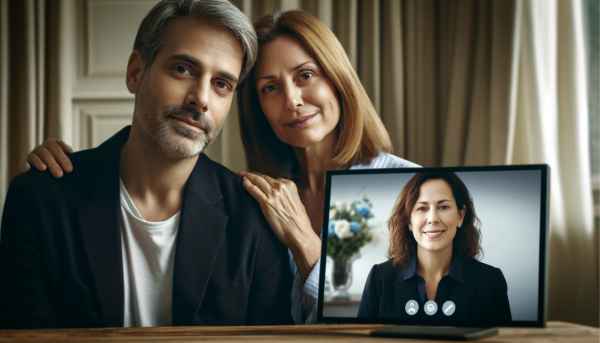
<point x="555" y="332"/>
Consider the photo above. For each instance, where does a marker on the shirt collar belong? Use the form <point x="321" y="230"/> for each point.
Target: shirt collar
<point x="411" y="269"/>
<point x="456" y="268"/>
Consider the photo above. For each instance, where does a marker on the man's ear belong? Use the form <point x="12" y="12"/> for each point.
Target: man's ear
<point x="135" y="72"/>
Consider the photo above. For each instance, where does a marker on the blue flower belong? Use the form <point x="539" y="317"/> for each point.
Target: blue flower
<point x="331" y="228"/>
<point x="354" y="227"/>
<point x="363" y="211"/>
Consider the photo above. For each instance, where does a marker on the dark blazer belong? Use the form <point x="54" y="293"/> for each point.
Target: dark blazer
<point x="61" y="261"/>
<point x="480" y="295"/>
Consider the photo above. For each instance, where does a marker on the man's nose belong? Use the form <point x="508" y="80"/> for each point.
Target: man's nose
<point x="198" y="96"/>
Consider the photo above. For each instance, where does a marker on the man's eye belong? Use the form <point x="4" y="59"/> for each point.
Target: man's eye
<point x="182" y="70"/>
<point x="221" y="85"/>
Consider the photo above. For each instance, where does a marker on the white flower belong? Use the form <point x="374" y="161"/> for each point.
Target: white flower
<point x="332" y="214"/>
<point x="340" y="206"/>
<point x="342" y="229"/>
<point x="374" y="238"/>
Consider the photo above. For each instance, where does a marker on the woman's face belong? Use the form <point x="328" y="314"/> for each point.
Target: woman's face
<point x="435" y="217"/>
<point x="298" y="99"/>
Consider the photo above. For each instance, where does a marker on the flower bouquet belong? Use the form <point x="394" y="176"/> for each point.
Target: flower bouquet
<point x="348" y="231"/>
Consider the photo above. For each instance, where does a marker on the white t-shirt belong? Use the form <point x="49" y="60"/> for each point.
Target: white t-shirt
<point x="148" y="258"/>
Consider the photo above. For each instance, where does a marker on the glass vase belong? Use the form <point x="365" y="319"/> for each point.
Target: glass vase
<point x="341" y="276"/>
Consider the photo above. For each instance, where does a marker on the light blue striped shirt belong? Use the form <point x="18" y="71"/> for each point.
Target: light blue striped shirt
<point x="304" y="297"/>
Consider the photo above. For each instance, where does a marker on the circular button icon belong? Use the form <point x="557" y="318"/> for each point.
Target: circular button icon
<point x="448" y="308"/>
<point x="430" y="307"/>
<point x="412" y="307"/>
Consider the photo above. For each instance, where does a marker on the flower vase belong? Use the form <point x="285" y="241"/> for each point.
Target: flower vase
<point x="342" y="276"/>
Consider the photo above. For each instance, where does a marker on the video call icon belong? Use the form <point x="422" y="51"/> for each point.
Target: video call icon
<point x="431" y="307"/>
<point x="448" y="308"/>
<point x="412" y="307"/>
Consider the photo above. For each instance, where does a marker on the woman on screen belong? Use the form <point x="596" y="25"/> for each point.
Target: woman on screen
<point x="433" y="270"/>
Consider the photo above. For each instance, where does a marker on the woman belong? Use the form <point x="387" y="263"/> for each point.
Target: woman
<point x="302" y="111"/>
<point x="433" y="272"/>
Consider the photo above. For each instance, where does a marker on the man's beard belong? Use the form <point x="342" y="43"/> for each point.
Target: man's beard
<point x="169" y="139"/>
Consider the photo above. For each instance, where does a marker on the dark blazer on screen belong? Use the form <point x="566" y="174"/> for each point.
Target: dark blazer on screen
<point x="478" y="290"/>
<point x="61" y="261"/>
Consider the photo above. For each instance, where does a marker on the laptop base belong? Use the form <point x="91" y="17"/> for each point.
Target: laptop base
<point x="432" y="332"/>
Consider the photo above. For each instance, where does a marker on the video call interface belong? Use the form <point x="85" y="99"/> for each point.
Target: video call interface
<point x="388" y="233"/>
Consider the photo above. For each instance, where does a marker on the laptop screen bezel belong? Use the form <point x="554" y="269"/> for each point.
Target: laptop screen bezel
<point x="543" y="249"/>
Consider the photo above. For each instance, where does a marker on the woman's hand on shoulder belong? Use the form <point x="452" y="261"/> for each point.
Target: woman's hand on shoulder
<point x="285" y="213"/>
<point x="52" y="155"/>
<point x="281" y="205"/>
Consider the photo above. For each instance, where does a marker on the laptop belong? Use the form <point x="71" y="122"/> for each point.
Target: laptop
<point x="439" y="252"/>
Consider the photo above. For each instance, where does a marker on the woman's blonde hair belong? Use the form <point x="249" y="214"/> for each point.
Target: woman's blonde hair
<point x="361" y="132"/>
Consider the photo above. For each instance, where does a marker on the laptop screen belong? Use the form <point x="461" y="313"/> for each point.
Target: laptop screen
<point x="435" y="246"/>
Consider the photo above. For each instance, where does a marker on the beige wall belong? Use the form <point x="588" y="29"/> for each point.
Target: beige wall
<point x="104" y="32"/>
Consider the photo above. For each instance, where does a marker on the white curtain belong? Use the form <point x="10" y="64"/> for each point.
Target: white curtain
<point x="551" y="126"/>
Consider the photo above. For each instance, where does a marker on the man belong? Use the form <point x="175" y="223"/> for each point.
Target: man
<point x="146" y="230"/>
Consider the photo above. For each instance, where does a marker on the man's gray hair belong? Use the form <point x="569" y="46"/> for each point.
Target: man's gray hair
<point x="151" y="33"/>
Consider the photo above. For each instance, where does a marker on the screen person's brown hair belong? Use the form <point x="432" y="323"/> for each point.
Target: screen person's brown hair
<point x="361" y="132"/>
<point x="467" y="241"/>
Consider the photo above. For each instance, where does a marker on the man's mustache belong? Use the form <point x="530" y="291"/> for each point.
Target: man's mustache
<point x="191" y="113"/>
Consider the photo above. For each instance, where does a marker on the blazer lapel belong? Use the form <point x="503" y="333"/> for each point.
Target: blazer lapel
<point x="405" y="290"/>
<point x="462" y="295"/>
<point x="100" y="223"/>
<point x="201" y="229"/>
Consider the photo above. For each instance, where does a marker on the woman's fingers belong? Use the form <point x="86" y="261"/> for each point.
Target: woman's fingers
<point x="272" y="182"/>
<point x="24" y="166"/>
<point x="35" y="161"/>
<point x="65" y="147"/>
<point x="254" y="191"/>
<point x="58" y="153"/>
<point x="46" y="156"/>
<point x="259" y="181"/>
